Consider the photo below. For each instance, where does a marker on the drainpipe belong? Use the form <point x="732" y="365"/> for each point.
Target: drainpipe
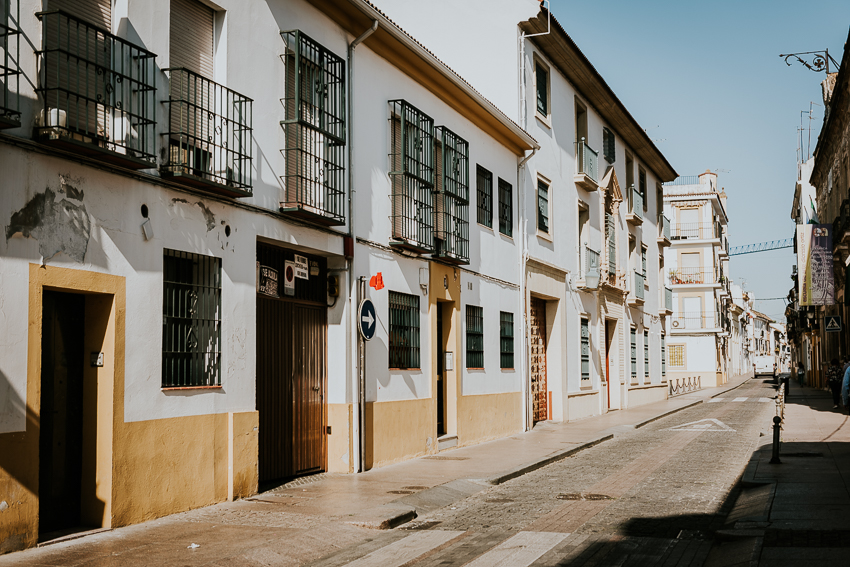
<point x="354" y="339"/>
<point x="523" y="360"/>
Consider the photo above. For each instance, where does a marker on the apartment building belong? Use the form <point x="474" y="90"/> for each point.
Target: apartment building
<point x="697" y="264"/>
<point x="192" y="195"/>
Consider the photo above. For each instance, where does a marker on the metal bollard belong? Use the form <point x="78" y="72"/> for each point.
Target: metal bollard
<point x="777" y="423"/>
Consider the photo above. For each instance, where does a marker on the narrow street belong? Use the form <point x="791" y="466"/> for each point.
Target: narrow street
<point x="650" y="496"/>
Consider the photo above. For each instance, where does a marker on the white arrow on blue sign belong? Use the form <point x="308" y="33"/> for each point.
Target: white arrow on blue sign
<point x="367" y="319"/>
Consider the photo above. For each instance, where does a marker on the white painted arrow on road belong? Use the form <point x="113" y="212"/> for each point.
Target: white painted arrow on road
<point x="709" y="424"/>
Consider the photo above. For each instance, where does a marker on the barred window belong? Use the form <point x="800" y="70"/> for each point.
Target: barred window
<point x="663" y="356"/>
<point x="485" y="197"/>
<point x="677" y="355"/>
<point x="542" y="207"/>
<point x="404" y="330"/>
<point x="191" y="320"/>
<point x="506" y="334"/>
<point x="474" y="337"/>
<point x="506" y="208"/>
<point x="585" y="349"/>
<point x="634" y="352"/>
<point x="646" y="354"/>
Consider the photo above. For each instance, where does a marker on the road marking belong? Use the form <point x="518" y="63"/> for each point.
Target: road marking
<point x="406" y="550"/>
<point x="715" y="400"/>
<point x="709" y="424"/>
<point x="740" y="400"/>
<point x="521" y="550"/>
<point x="765" y="399"/>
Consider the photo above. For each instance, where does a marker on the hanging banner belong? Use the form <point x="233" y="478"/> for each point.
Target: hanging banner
<point x="815" y="284"/>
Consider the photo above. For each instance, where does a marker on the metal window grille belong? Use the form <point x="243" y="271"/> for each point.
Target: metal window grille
<point x="506" y="208"/>
<point x="97" y="90"/>
<point x="646" y="354"/>
<point x="506" y="339"/>
<point x="542" y="90"/>
<point x="663" y="355"/>
<point x="585" y="349"/>
<point x="484" y="185"/>
<point x="634" y="353"/>
<point x="542" y="206"/>
<point x="10" y="71"/>
<point x="191" y="320"/>
<point x="677" y="355"/>
<point x="609" y="148"/>
<point x="314" y="129"/>
<point x="452" y="198"/>
<point x="412" y="170"/>
<point x="404" y="330"/>
<point x="474" y="336"/>
<point x="209" y="133"/>
<point x="643" y="260"/>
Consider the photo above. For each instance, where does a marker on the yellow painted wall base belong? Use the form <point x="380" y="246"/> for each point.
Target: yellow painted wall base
<point x="396" y="431"/>
<point x="647" y="395"/>
<point x="488" y="416"/>
<point x="339" y="441"/>
<point x="18" y="488"/>
<point x="582" y="406"/>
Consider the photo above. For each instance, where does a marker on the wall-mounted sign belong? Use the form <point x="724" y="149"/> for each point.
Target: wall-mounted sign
<point x="832" y="323"/>
<point x="301" y="269"/>
<point x="314" y="268"/>
<point x="450" y="361"/>
<point x="267" y="282"/>
<point x="289" y="278"/>
<point x="368" y="319"/>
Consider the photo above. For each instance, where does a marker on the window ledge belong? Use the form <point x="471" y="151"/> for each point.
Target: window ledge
<point x="172" y="388"/>
<point x="545" y="120"/>
<point x="544" y="235"/>
<point x="485" y="227"/>
<point x="475" y="368"/>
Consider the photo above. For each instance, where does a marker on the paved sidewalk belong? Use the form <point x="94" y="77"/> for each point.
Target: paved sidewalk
<point x="796" y="512"/>
<point x="312" y="517"/>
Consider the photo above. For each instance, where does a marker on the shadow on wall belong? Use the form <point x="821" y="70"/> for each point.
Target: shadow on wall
<point x="14" y="413"/>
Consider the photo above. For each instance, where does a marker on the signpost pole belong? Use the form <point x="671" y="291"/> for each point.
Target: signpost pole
<point x="361" y="371"/>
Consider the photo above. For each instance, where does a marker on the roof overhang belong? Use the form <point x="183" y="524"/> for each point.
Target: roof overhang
<point x="568" y="58"/>
<point x="401" y="50"/>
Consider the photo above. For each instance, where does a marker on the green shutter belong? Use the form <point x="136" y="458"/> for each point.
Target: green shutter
<point x="611" y="236"/>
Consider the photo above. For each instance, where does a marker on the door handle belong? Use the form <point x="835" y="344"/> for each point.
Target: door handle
<point x="315" y="388"/>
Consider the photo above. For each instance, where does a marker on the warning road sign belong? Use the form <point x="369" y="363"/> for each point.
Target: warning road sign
<point x="832" y="323"/>
<point x="709" y="424"/>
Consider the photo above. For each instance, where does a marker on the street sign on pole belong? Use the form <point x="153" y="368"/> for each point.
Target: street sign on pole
<point x="832" y="323"/>
<point x="367" y="319"/>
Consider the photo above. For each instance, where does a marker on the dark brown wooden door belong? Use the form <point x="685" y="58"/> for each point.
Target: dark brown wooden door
<point x="61" y="417"/>
<point x="537" y="341"/>
<point x="291" y="343"/>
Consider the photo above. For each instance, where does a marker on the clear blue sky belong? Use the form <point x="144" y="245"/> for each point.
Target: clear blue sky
<point x="706" y="81"/>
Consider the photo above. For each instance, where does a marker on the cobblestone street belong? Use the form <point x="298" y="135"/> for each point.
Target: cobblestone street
<point x="649" y="496"/>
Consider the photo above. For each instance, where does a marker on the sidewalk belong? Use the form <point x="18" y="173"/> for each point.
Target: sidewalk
<point x="312" y="517"/>
<point x="796" y="512"/>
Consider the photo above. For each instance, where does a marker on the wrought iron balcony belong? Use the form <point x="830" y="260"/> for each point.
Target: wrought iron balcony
<point x="97" y="91"/>
<point x="693" y="320"/>
<point x="209" y="135"/>
<point x="664" y="231"/>
<point x="314" y="131"/>
<point x="635" y="214"/>
<point x="587" y="167"/>
<point x="687" y="276"/>
<point x="638" y="295"/>
<point x="412" y="170"/>
<point x="10" y="71"/>
<point x="452" y="198"/>
<point x="693" y="231"/>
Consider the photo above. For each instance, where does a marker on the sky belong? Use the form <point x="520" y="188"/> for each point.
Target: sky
<point x="706" y="82"/>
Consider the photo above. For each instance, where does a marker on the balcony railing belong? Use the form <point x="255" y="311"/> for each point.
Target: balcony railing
<point x="696" y="320"/>
<point x="635" y="202"/>
<point x="681" y="276"/>
<point x="209" y="135"/>
<point x="693" y="231"/>
<point x="451" y="201"/>
<point x="587" y="161"/>
<point x="640" y="280"/>
<point x="98" y="92"/>
<point x="664" y="228"/>
<point x="668" y="299"/>
<point x="10" y="71"/>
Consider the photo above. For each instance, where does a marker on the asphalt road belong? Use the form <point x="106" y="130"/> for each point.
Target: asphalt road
<point x="654" y="495"/>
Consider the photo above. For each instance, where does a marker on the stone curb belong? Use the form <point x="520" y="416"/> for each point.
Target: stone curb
<point x="384" y="517"/>
<point x="666" y="413"/>
<point x="547" y="460"/>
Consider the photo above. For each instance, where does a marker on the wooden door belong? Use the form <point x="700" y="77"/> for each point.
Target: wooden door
<point x="61" y="416"/>
<point x="537" y="342"/>
<point x="308" y="383"/>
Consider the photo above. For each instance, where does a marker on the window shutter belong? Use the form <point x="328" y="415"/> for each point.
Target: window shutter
<point x="191" y="36"/>
<point x="95" y="12"/>
<point x="611" y="236"/>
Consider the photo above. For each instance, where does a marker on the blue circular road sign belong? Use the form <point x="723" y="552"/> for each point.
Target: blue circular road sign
<point x="367" y="319"/>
